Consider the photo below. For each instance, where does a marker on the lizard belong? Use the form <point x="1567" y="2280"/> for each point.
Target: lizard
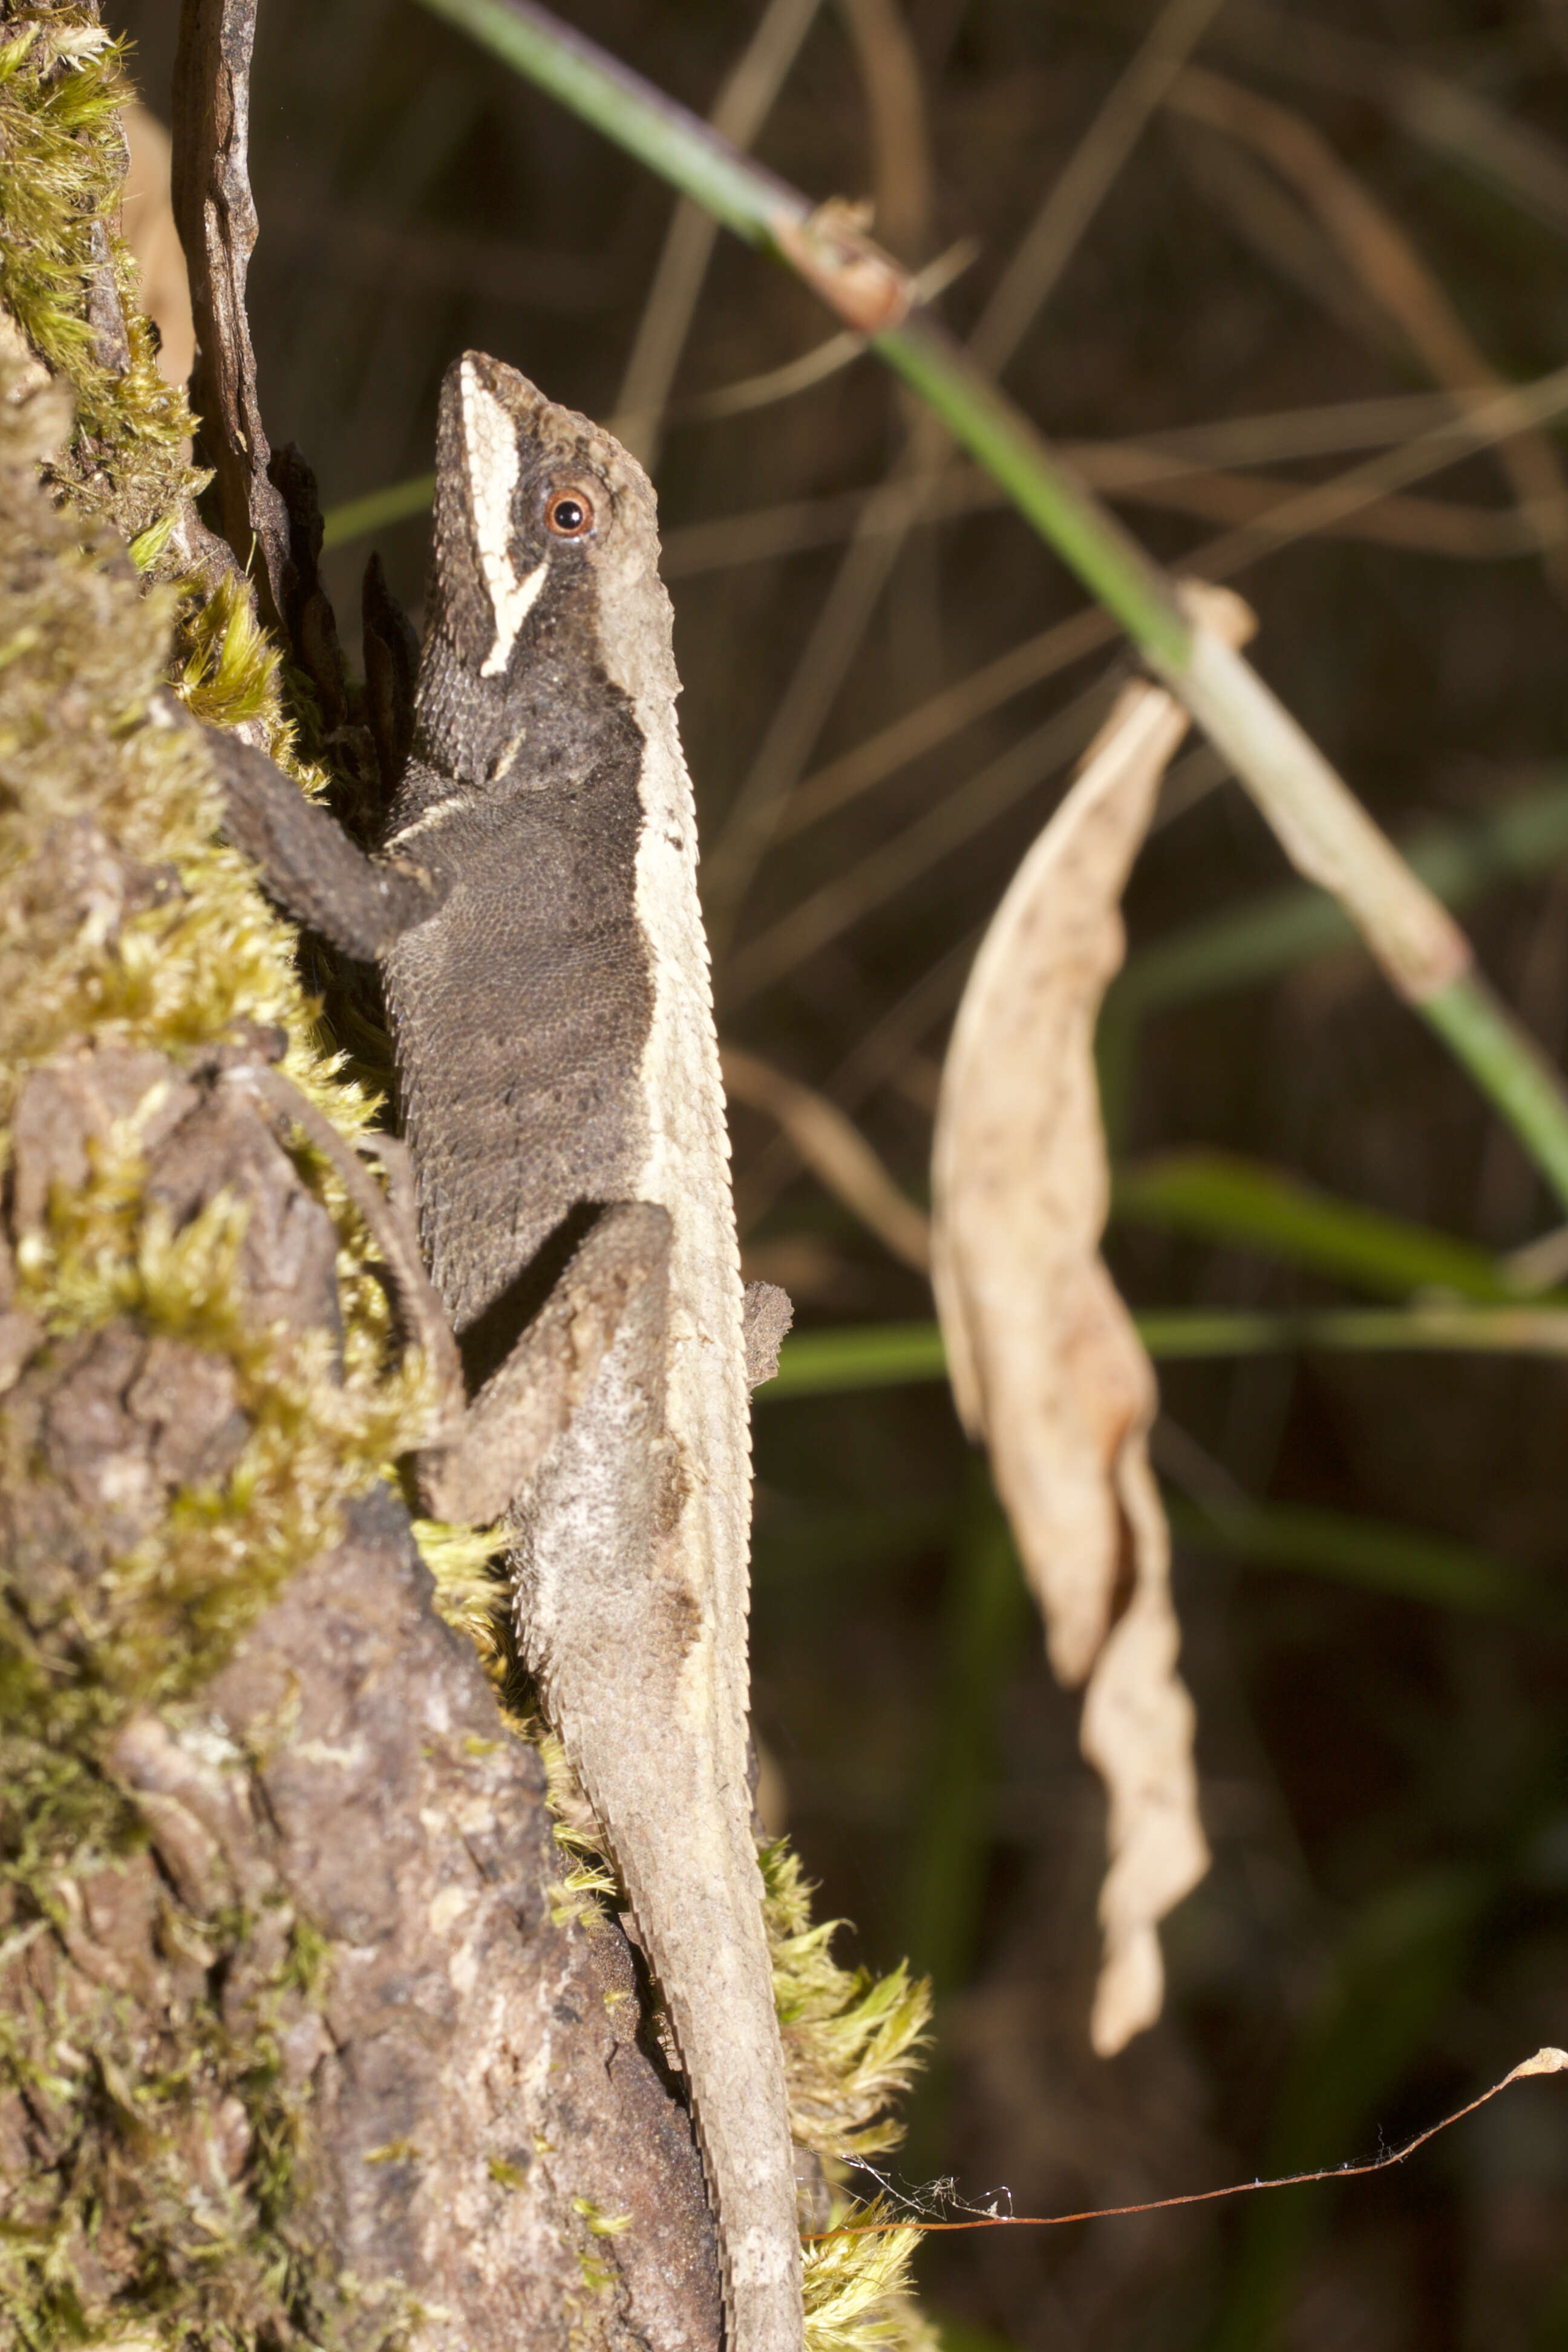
<point x="534" y="912"/>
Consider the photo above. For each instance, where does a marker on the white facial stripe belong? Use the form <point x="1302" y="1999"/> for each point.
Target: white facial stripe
<point x="513" y="599"/>
<point x="491" y="441"/>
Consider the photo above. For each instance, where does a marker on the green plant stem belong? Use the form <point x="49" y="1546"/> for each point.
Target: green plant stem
<point x="1277" y="930"/>
<point x="1375" y="1554"/>
<point x="1479" y="1032"/>
<point x="862" y="1355"/>
<point x="1237" y="1202"/>
<point x="1326" y="832"/>
<point x="1375" y="1331"/>
<point x="671" y="140"/>
<point x="1044" y="490"/>
<point x="896" y="1355"/>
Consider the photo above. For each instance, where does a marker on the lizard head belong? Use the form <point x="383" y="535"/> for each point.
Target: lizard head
<point x="545" y="559"/>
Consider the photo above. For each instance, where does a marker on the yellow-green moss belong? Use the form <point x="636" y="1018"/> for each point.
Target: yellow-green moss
<point x="852" y="2040"/>
<point x="852" y="2046"/>
<point x="858" y="2288"/>
<point x="61" y="165"/>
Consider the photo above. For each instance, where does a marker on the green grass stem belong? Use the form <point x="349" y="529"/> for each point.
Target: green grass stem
<point x="897" y="1355"/>
<point x="1278" y="930"/>
<point x="1220" y="1197"/>
<point x="1188" y="1334"/>
<point x="1046" y="490"/>
<point x="1480" y="1032"/>
<point x="861" y="1356"/>
<point x="1374" y="1554"/>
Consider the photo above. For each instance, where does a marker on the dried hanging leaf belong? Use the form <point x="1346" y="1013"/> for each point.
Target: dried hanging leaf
<point x="1046" y="1366"/>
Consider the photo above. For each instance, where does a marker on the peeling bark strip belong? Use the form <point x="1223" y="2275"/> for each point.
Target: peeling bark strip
<point x="265" y="499"/>
<point x="1047" y="1366"/>
<point x="216" y="220"/>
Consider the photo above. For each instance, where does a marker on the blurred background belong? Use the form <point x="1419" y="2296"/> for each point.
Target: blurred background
<point x="1283" y="259"/>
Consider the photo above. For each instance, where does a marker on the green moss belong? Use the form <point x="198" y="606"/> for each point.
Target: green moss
<point x="229" y="671"/>
<point x="852" y="2045"/>
<point x="596" y="2275"/>
<point x="61" y="165"/>
<point x="600" y="2225"/>
<point x="852" y="2039"/>
<point x="856" y="2288"/>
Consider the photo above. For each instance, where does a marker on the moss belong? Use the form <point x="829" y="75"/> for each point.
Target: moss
<point x="228" y="673"/>
<point x="600" y="2225"/>
<point x="61" y="165"/>
<point x="852" y="2045"/>
<point x="175" y="1602"/>
<point x="852" y="2039"/>
<point x="857" y="2289"/>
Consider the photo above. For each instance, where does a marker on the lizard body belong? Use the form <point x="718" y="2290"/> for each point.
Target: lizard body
<point x="535" y="917"/>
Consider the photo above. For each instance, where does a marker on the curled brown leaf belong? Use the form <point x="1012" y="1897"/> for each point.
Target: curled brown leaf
<point x="1046" y="1366"/>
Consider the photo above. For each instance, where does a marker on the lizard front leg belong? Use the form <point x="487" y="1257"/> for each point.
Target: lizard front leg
<point x="309" y="863"/>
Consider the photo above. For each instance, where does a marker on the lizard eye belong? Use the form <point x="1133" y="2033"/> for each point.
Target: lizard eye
<point x="569" y="514"/>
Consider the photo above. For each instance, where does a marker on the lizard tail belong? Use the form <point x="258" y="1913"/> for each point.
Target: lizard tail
<point x="615" y="1619"/>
